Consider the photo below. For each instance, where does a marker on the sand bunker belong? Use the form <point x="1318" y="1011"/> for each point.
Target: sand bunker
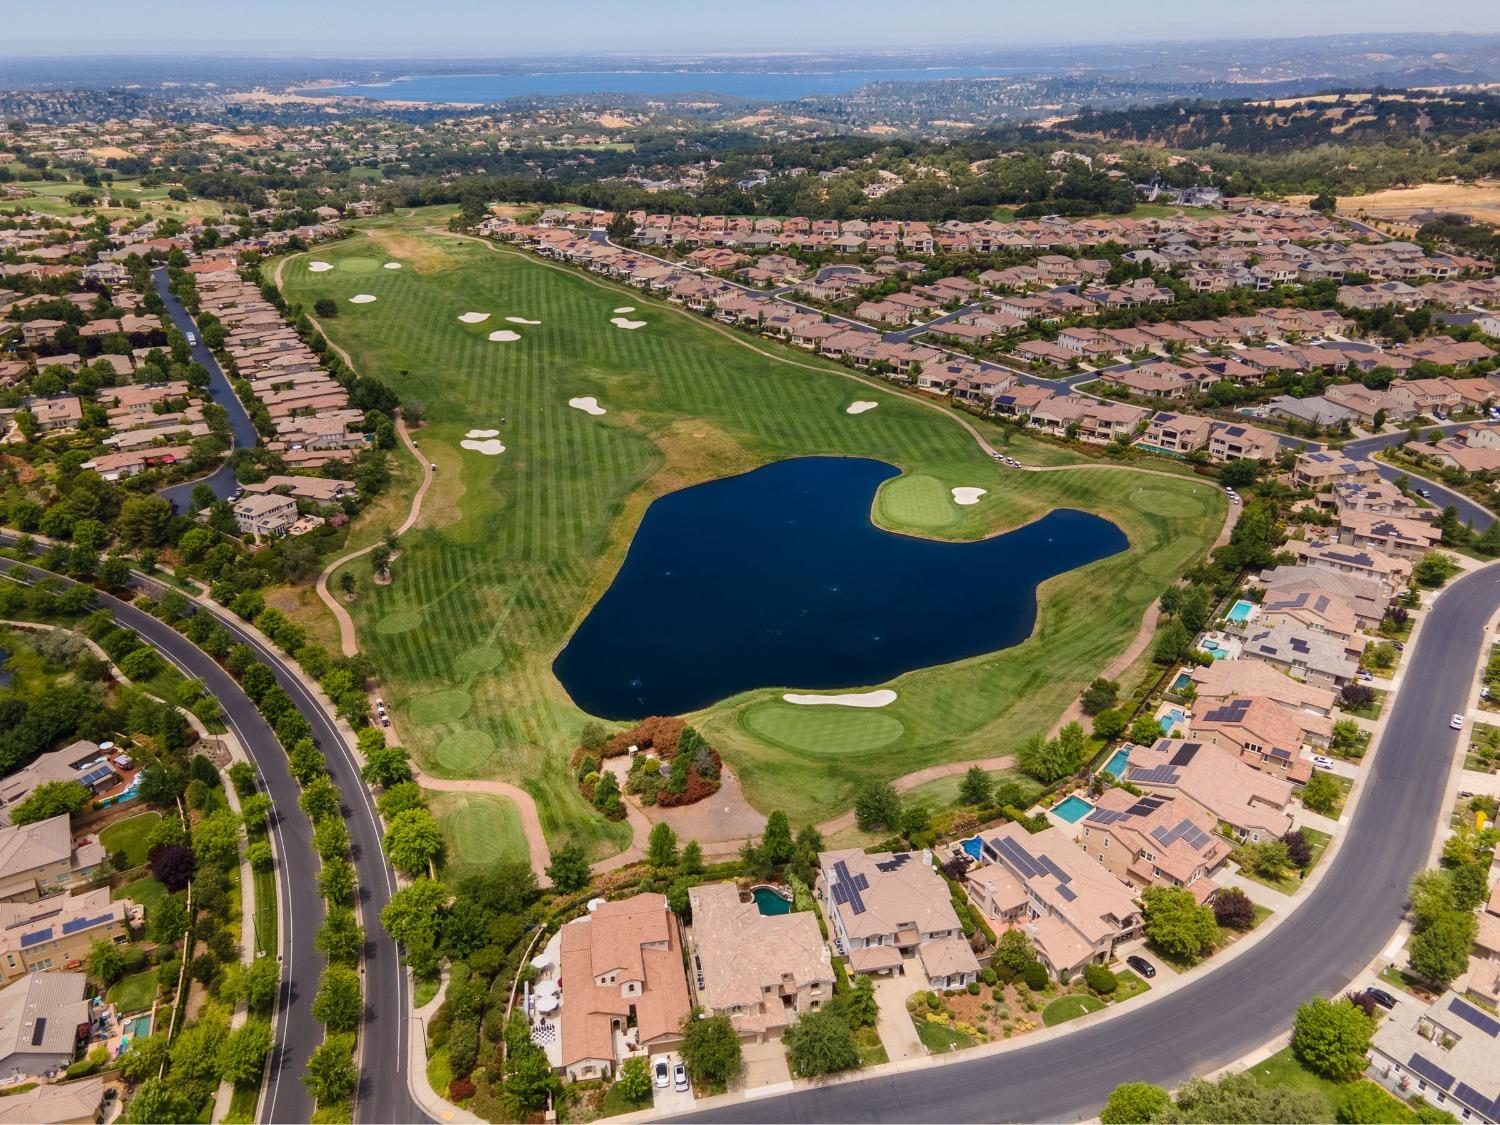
<point x="482" y="433"/>
<point x="474" y="318"/>
<point x="589" y="405"/>
<point x="504" y="336"/>
<point x="362" y="298"/>
<point x="621" y="322"/>
<point x="392" y="265"/>
<point x="860" y="407"/>
<point x="490" y="447"/>
<point x="319" y="267"/>
<point x="881" y="698"/>
<point x="521" y="320"/>
<point x="966" y="496"/>
<point x="625" y="309"/>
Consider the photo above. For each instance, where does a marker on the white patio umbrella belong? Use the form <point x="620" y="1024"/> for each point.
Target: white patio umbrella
<point x="546" y="988"/>
<point x="546" y="1003"/>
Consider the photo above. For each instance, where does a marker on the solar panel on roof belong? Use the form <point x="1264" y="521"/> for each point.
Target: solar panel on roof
<point x="1066" y="894"/>
<point x="847" y="886"/>
<point x="39" y="1031"/>
<point x="1156" y="775"/>
<point x="1055" y="871"/>
<point x="93" y="776"/>
<point x="85" y="923"/>
<point x="1430" y="1071"/>
<point x="895" y="863"/>
<point x="1488" y="1108"/>
<point x="36" y="937"/>
<point x="1019" y="857"/>
<point x="1470" y="1014"/>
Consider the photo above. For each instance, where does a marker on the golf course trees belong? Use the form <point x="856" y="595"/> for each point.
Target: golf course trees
<point x="513" y="547"/>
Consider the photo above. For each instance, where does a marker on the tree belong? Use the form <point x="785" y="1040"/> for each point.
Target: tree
<point x="691" y="861"/>
<point x="172" y="865"/>
<point x="1433" y="570"/>
<point x="380" y="561"/>
<point x="878" y="806"/>
<point x="338" y="1005"/>
<point x="144" y="520"/>
<point x="1240" y="1097"/>
<point x="414" y="915"/>
<point x="49" y="799"/>
<point x="858" y="1005"/>
<point x="975" y="788"/>
<point x="1099" y="696"/>
<point x="158" y="1102"/>
<point x="710" y="1048"/>
<point x="1176" y="923"/>
<point x="1145" y="730"/>
<point x="634" y="1080"/>
<point x="1173" y="642"/>
<point x="776" y="843"/>
<point x="1233" y="909"/>
<point x="528" y="1075"/>
<point x="1135" y="1103"/>
<point x="340" y="938"/>
<point x="331" y="1074"/>
<point x="347" y="583"/>
<point x="1332" y="1037"/>
<point x="569" y="870"/>
<point x="820" y="1043"/>
<point x="1015" y="950"/>
<point x="413" y="841"/>
<point x="386" y="765"/>
<point x="1298" y="850"/>
<point x="242" y="1054"/>
<point x="661" y="846"/>
<point x="1239" y="473"/>
<point x="105" y="961"/>
<point x="325" y="307"/>
<point x="1267" y="859"/>
<point x="1439" y="951"/>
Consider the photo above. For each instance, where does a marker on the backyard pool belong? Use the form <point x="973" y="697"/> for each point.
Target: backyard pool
<point x="1241" y="611"/>
<point x="771" y="901"/>
<point x="974" y="846"/>
<point x="1181" y="682"/>
<point x="1073" y="809"/>
<point x="1170" y="719"/>
<point x="1116" y="764"/>
<point x="138" y="1027"/>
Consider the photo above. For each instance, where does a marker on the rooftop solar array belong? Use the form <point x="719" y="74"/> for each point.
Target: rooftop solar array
<point x="1488" y="1108"/>
<point x="1156" y="775"/>
<point x="895" y="863"/>
<point x="1184" y="830"/>
<point x="1066" y="894"/>
<point x="1472" y="1015"/>
<point x="36" y="937"/>
<point x="1029" y="865"/>
<point x="1186" y="753"/>
<point x="85" y="923"/>
<point x="1231" y="712"/>
<point x="94" y="776"/>
<point x="38" y="1031"/>
<point x="1430" y="1071"/>
<point x="847" y="887"/>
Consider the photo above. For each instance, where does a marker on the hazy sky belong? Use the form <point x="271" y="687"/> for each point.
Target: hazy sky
<point x="475" y="28"/>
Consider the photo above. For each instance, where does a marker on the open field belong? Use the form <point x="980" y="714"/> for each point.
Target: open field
<point x="1478" y="201"/>
<point x="491" y="584"/>
<point x="51" y="199"/>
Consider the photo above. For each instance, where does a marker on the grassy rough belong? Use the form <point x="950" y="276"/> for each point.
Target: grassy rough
<point x="513" y="549"/>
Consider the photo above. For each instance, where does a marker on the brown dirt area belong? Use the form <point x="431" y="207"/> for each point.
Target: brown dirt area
<point x="1478" y="201"/>
<point x="424" y="255"/>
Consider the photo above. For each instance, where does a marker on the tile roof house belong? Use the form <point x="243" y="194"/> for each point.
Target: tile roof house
<point x="54" y="931"/>
<point x="1266" y="735"/>
<point x="67" y="1103"/>
<point x="1252" y="803"/>
<point x="1175" y="433"/>
<point x="1073" y="908"/>
<point x="883" y="908"/>
<point x="626" y="986"/>
<point x="1448" y="1054"/>
<point x="1225" y="679"/>
<point x="762" y="971"/>
<point x="1388" y="570"/>
<point x="1321" y="469"/>
<point x="264" y="514"/>
<point x="1390" y="535"/>
<point x="41" y="1015"/>
<point x="1155" y="840"/>
<point x="1235" y="441"/>
<point x="1304" y="653"/>
<point x="42" y="859"/>
<point x="83" y="762"/>
<point x="1317" y="610"/>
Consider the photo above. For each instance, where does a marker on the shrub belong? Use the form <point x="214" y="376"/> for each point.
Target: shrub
<point x="1035" y="976"/>
<point x="1100" y="980"/>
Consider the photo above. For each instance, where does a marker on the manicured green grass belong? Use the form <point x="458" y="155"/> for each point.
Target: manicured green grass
<point x="265" y="913"/>
<point x="943" y="793"/>
<point x="481" y="832"/>
<point x="1066" y="1008"/>
<point x="515" y="548"/>
<point x="1129" y="985"/>
<point x="129" y="836"/>
<point x="145" y="892"/>
<point x="939" y="1038"/>
<point x="1370" y="712"/>
<point x="134" y="993"/>
<point x="1289" y="882"/>
<point x="439" y="1072"/>
<point x="1404" y="981"/>
<point x="424" y="991"/>
<point x="1285" y="1071"/>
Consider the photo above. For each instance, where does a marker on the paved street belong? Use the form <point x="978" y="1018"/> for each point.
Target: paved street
<point x="1343" y="924"/>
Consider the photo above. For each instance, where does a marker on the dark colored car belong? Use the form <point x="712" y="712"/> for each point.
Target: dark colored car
<point x="1141" y="965"/>
<point x="1381" y="997"/>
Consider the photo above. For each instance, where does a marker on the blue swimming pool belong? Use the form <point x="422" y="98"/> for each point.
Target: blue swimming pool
<point x="1073" y="809"/>
<point x="1181" y="682"/>
<point x="974" y="847"/>
<point x="1116" y="764"/>
<point x="770" y="901"/>
<point x="1171" y="719"/>
<point x="1241" y="611"/>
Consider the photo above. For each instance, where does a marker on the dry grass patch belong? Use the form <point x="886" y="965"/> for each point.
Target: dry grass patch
<point x="425" y="255"/>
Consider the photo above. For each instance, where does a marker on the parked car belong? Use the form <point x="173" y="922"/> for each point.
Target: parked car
<point x="1322" y="761"/>
<point x="1457" y="722"/>
<point x="679" y="1078"/>
<point x="1141" y="965"/>
<point x="1364" y="675"/>
<point x="1381" y="997"/>
<point x="1398" y="646"/>
<point x="1424" y="494"/>
<point x="192" y="339"/>
<point x="663" y="1074"/>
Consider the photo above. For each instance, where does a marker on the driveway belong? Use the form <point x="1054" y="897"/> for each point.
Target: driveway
<point x="897" y="1033"/>
<point x="766" y="1069"/>
<point x="669" y="1100"/>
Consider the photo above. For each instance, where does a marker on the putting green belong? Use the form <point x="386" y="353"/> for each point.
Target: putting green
<point x="481" y="832"/>
<point x="916" y="501"/>
<point x="464" y="751"/>
<point x="827" y="730"/>
<point x="402" y="621"/>
<point x="479" y="660"/>
<point x="356" y="264"/>
<point x="1161" y="502"/>
<point x="446" y="706"/>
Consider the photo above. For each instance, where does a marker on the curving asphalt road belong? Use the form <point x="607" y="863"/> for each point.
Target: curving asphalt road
<point x="383" y="1095"/>
<point x="1319" y="948"/>
<point x="1470" y="512"/>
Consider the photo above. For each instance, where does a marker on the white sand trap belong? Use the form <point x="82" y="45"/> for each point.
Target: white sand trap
<point x="319" y="267"/>
<point x="625" y="309"/>
<point x="474" y="318"/>
<point x="589" y="405"/>
<point x="392" y="265"/>
<point x="482" y="433"/>
<point x="362" y="299"/>
<point x="505" y="336"/>
<point x="621" y="322"/>
<point x="882" y="698"/>
<point x="966" y="496"/>
<point x="521" y="320"/>
<point x="860" y="407"/>
<point x="490" y="447"/>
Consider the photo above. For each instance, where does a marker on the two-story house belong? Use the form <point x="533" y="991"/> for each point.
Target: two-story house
<point x="1155" y="840"/>
<point x="42" y="859"/>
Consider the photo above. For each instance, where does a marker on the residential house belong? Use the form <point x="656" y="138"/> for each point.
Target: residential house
<point x="762" y="971"/>
<point x="1388" y="570"/>
<point x="1319" y="468"/>
<point x="627" y="988"/>
<point x="1073" y="908"/>
<point x="264" y="514"/>
<point x="1236" y="441"/>
<point x="1447" y="1053"/>
<point x="1155" y="840"/>
<point x="58" y="931"/>
<point x="83" y="762"/>
<point x="883" y="908"/>
<point x="1368" y="598"/>
<point x="1316" y="610"/>
<point x="1304" y="653"/>
<point x="1390" y="535"/>
<point x="43" y="1018"/>
<point x="41" y="858"/>
<point x="64" y="1103"/>
<point x="1228" y="679"/>
<point x="1265" y="735"/>
<point x="1175" y="433"/>
<point x="1251" y="802"/>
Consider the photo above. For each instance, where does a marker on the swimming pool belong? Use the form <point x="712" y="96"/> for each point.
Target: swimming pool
<point x="1073" y="809"/>
<point x="770" y="901"/>
<point x="974" y="846"/>
<point x="1116" y="764"/>
<point x="1241" y="611"/>
<point x="1170" y="720"/>
<point x="1182" y="681"/>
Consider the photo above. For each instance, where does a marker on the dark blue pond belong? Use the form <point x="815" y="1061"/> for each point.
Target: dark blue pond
<point x="778" y="578"/>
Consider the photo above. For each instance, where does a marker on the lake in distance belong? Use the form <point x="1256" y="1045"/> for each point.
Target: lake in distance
<point x="481" y="89"/>
<point x="778" y="577"/>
